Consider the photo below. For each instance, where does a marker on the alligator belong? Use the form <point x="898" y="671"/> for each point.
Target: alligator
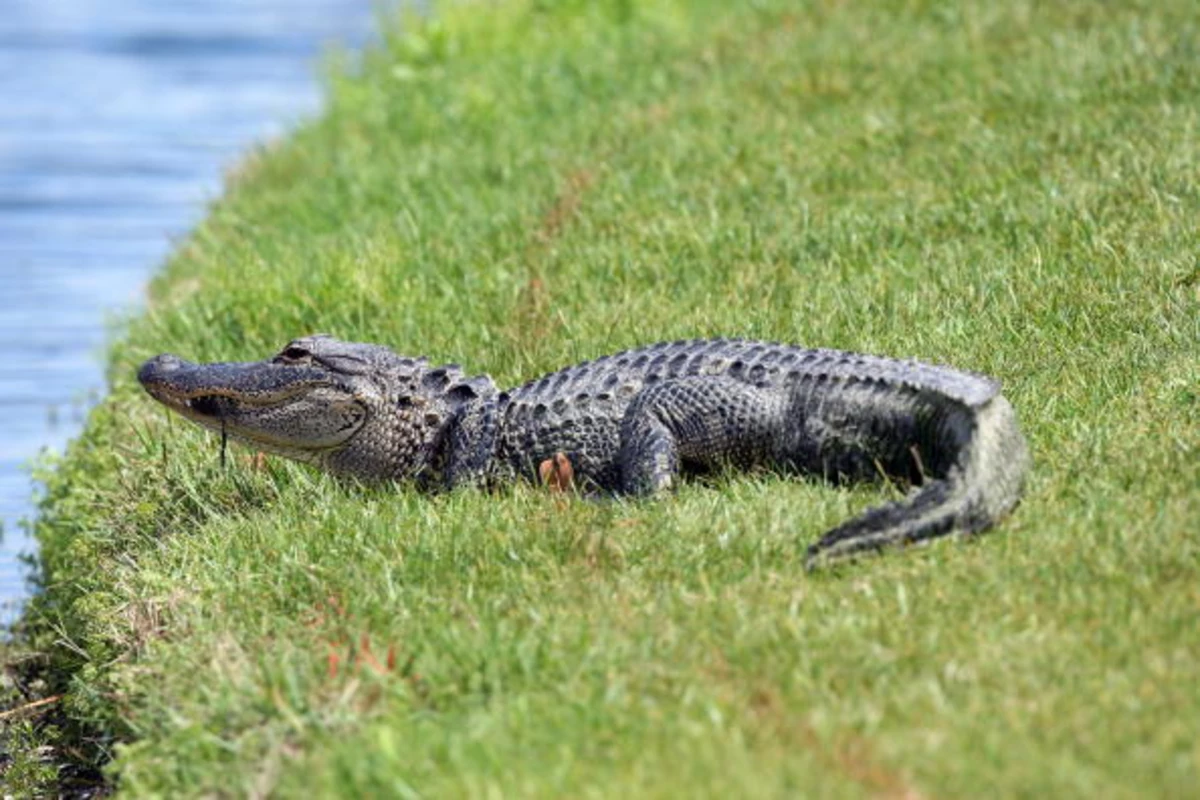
<point x="632" y="423"/>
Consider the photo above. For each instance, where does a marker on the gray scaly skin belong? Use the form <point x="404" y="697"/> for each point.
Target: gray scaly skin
<point x="631" y="423"/>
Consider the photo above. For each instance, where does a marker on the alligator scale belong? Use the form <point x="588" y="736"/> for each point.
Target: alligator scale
<point x="632" y="423"/>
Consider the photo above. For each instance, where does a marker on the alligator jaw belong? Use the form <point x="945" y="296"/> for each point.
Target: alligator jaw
<point x="215" y="390"/>
<point x="301" y="411"/>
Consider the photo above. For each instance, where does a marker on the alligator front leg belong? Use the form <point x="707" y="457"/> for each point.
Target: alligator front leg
<point x="471" y="443"/>
<point x="703" y="422"/>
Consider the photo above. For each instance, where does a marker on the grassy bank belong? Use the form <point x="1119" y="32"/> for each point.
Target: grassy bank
<point x="1008" y="187"/>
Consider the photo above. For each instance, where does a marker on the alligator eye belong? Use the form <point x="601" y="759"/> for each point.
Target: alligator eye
<point x="294" y="352"/>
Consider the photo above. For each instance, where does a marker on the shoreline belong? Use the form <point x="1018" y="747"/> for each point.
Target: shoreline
<point x="114" y="140"/>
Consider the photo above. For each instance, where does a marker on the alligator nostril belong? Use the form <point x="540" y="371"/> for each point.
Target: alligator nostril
<point x="158" y="365"/>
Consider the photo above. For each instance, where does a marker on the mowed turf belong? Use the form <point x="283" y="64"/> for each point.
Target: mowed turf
<point x="1009" y="187"/>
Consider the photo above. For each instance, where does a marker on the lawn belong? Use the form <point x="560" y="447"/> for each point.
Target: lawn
<point x="1008" y="187"/>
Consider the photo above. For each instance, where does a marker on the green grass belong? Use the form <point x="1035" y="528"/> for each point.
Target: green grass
<point x="1008" y="187"/>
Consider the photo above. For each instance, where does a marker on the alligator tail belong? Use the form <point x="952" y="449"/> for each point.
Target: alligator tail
<point x="983" y="486"/>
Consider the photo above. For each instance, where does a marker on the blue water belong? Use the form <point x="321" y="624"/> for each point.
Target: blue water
<point x="117" y="120"/>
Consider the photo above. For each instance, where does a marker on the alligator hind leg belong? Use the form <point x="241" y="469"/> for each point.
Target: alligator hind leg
<point x="696" y="421"/>
<point x="649" y="457"/>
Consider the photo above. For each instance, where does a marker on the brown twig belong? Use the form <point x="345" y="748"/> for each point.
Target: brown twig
<point x="28" y="707"/>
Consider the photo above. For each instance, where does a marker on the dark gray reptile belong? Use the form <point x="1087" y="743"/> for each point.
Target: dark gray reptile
<point x="631" y="423"/>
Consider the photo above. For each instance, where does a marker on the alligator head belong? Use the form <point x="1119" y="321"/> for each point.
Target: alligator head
<point x="356" y="409"/>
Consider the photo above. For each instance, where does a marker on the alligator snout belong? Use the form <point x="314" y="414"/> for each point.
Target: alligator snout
<point x="204" y="390"/>
<point x="174" y="381"/>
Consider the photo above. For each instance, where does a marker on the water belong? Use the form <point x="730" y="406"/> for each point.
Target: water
<point x="117" y="119"/>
